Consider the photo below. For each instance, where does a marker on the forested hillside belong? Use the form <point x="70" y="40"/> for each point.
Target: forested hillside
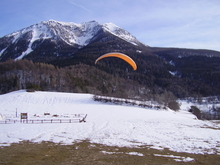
<point x="24" y="74"/>
<point x="153" y="80"/>
<point x="80" y="78"/>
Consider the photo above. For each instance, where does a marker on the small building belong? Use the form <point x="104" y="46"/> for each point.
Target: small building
<point x="24" y="116"/>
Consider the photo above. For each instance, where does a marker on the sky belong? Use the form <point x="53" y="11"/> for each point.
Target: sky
<point x="157" y="23"/>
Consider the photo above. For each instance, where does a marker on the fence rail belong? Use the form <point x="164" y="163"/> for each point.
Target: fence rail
<point x="144" y="104"/>
<point x="43" y="121"/>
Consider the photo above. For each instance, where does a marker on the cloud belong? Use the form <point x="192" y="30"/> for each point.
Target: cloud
<point x="84" y="8"/>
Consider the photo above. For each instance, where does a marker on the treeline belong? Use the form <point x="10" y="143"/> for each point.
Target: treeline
<point x="111" y="77"/>
<point x="79" y="78"/>
<point x="212" y="114"/>
<point x="24" y="74"/>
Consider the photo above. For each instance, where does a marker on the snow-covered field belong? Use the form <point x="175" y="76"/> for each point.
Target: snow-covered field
<point x="108" y="124"/>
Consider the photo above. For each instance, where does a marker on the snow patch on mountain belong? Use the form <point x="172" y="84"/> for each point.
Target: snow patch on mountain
<point x="72" y="33"/>
<point x="29" y="50"/>
<point x="38" y="31"/>
<point x="117" y="31"/>
<point x="2" y="51"/>
<point x="82" y="34"/>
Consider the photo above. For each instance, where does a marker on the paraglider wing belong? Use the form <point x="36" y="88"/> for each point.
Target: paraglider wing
<point x="119" y="55"/>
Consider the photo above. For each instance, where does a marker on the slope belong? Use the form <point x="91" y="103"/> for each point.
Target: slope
<point x="106" y="123"/>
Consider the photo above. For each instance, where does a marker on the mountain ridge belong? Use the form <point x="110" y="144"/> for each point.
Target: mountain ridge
<point x="60" y="35"/>
<point x="54" y="39"/>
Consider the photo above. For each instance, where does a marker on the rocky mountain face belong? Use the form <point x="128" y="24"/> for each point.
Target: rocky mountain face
<point x="49" y="40"/>
<point x="73" y="48"/>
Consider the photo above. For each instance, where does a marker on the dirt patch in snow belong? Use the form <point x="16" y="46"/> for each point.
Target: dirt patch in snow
<point x="87" y="153"/>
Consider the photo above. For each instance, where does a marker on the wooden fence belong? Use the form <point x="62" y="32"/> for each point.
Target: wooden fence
<point x="43" y="121"/>
<point x="144" y="104"/>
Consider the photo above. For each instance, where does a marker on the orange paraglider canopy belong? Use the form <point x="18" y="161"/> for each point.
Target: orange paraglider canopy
<point x="119" y="55"/>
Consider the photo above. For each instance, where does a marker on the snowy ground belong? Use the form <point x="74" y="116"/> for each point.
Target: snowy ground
<point x="106" y="123"/>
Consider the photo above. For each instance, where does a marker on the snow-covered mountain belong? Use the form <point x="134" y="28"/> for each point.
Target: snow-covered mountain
<point x="59" y="37"/>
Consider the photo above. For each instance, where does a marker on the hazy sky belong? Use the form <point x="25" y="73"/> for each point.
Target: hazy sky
<point x="160" y="23"/>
